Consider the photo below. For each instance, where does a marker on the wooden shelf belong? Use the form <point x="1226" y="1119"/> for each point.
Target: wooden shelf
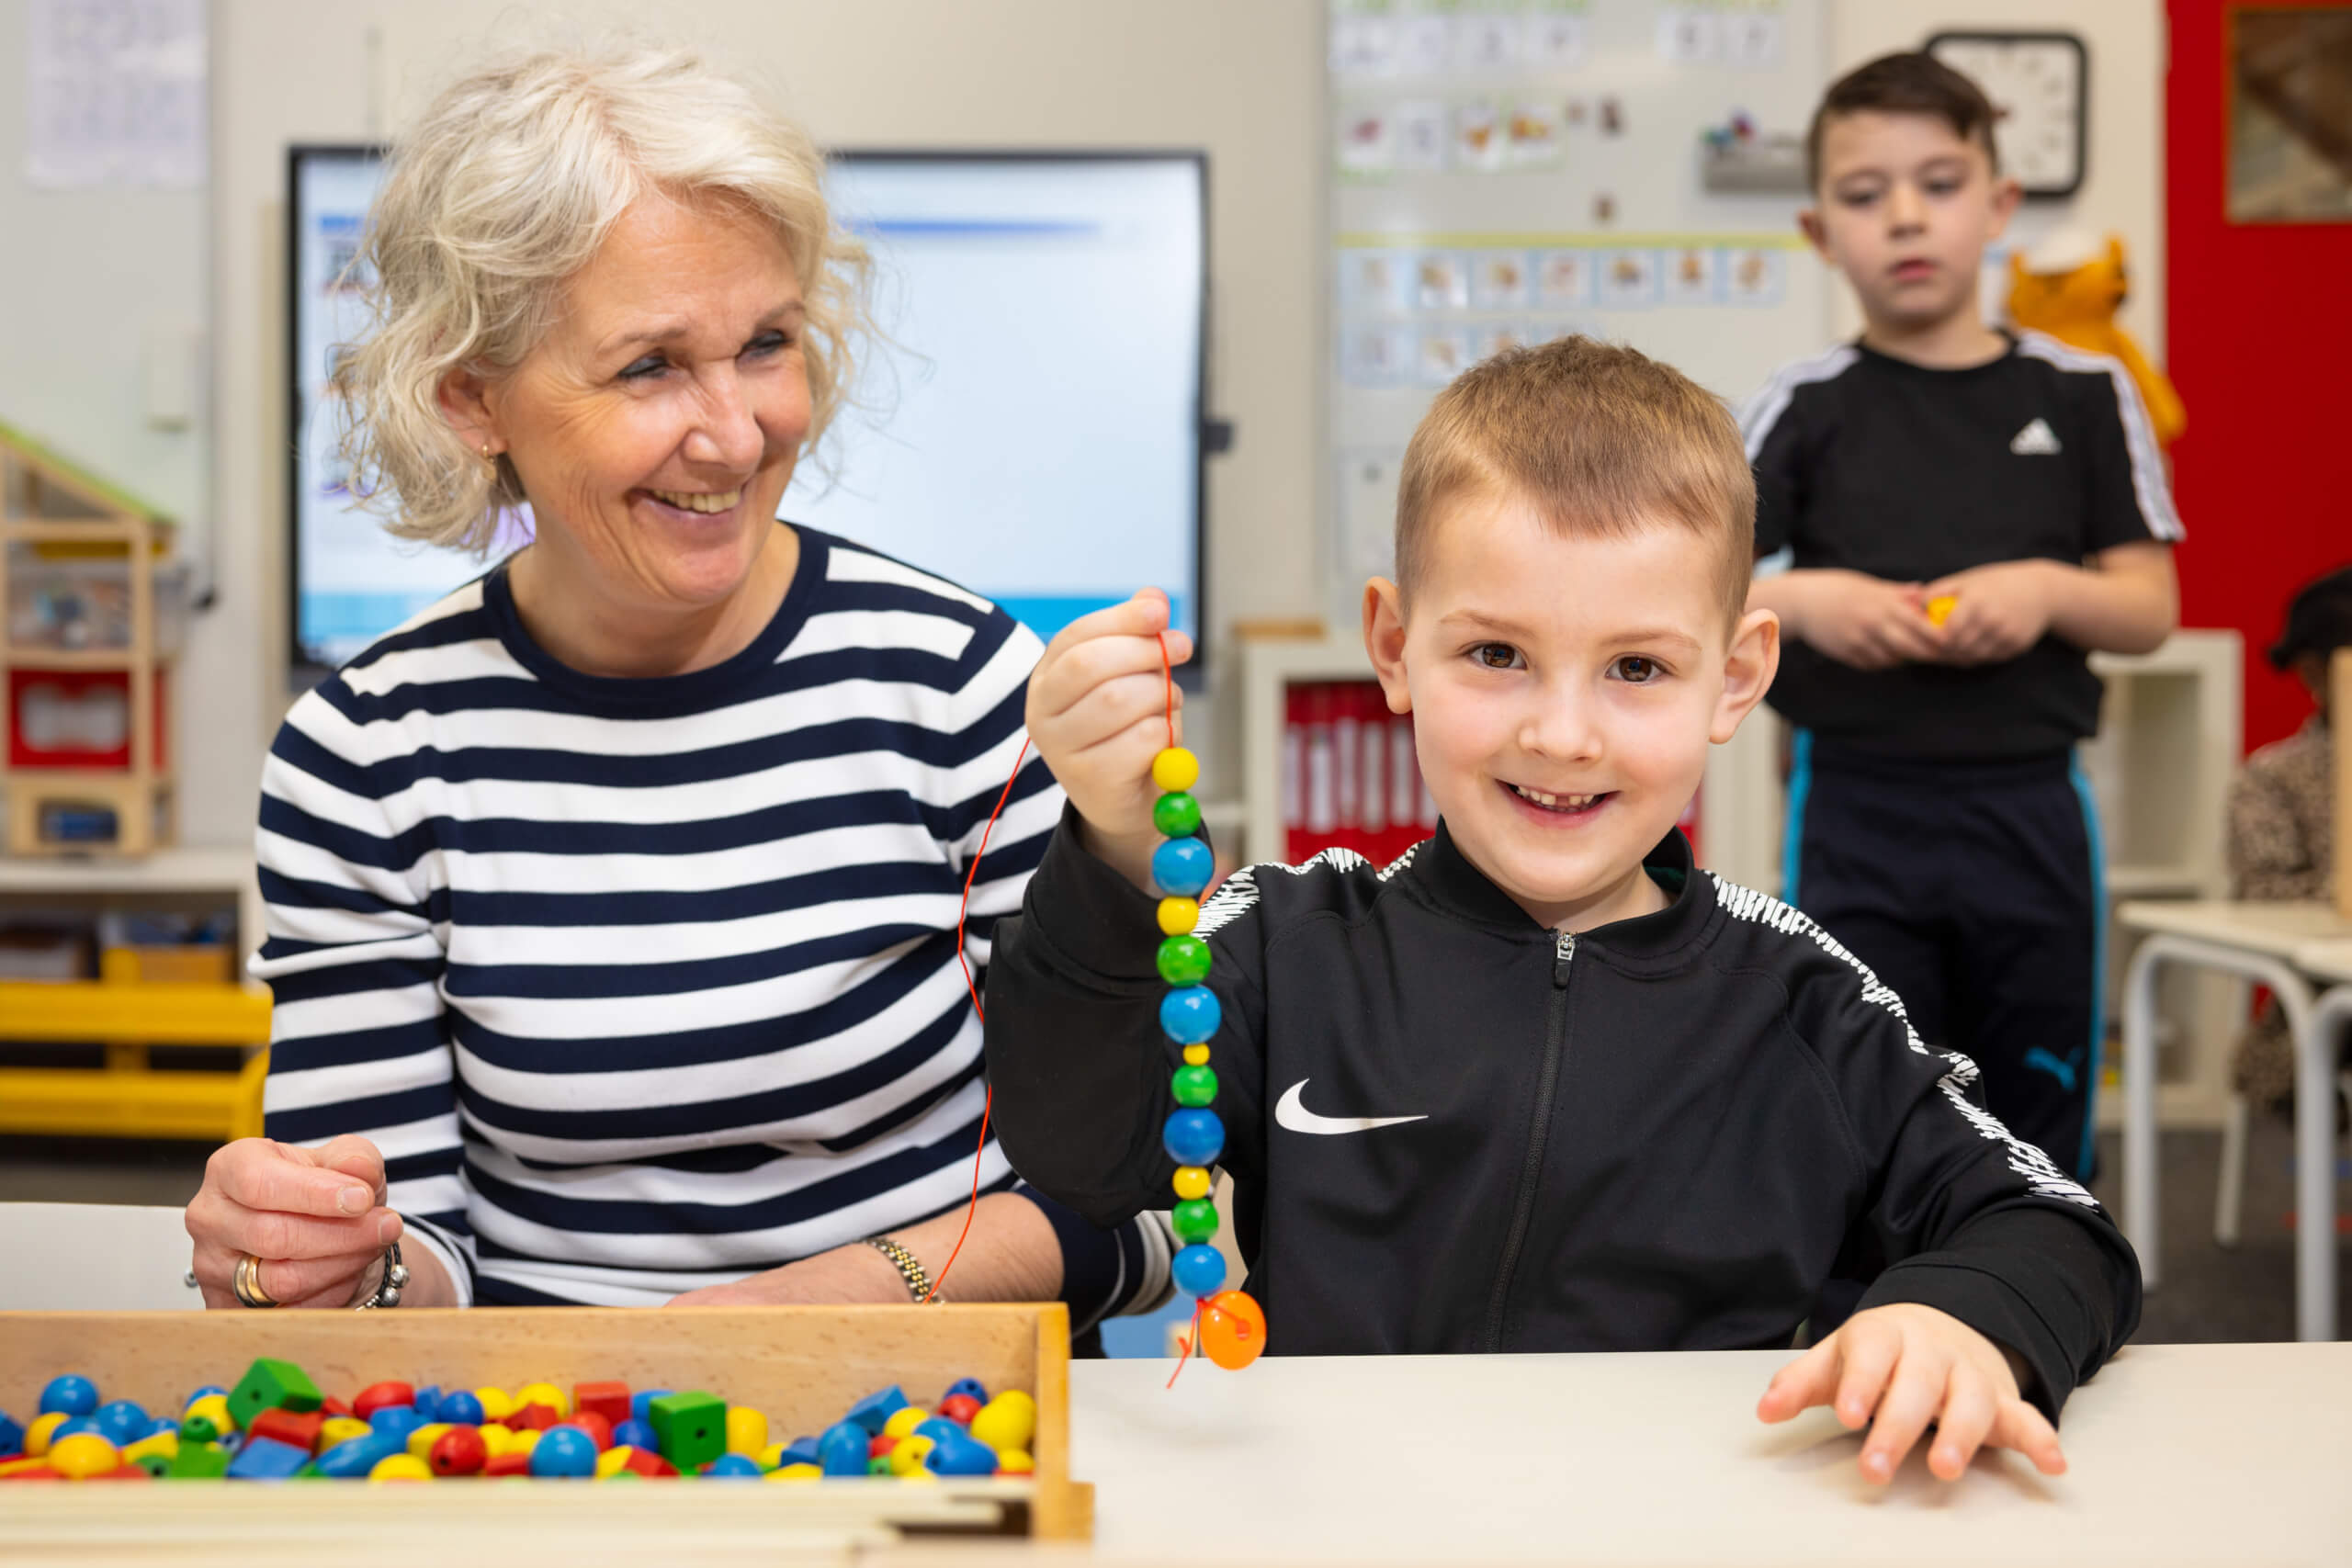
<point x="92" y="531"/>
<point x="227" y="868"/>
<point x="70" y="658"/>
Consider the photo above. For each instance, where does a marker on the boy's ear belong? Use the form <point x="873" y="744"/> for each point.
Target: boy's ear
<point x="1816" y="232"/>
<point x="464" y="399"/>
<point x="1749" y="665"/>
<point x="2007" y="195"/>
<point x="1384" y="640"/>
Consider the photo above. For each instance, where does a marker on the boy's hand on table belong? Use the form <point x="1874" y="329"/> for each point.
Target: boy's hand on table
<point x="1899" y="1368"/>
<point x="2001" y="610"/>
<point x="1867" y="622"/>
<point x="314" y="1217"/>
<point x="1098" y="714"/>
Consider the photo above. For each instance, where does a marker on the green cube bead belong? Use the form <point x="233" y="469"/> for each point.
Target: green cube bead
<point x="1193" y="1220"/>
<point x="692" y="1428"/>
<point x="201" y="1461"/>
<point x="1177" y="815"/>
<point x="270" y="1385"/>
<point x="1194" y="1087"/>
<point x="1183" y="959"/>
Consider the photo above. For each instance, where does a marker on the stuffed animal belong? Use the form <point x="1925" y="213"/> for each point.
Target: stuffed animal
<point x="2070" y="288"/>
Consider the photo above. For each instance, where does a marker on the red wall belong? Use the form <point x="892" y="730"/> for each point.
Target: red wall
<point x="2258" y="338"/>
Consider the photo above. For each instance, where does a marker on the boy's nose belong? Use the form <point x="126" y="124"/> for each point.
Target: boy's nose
<point x="1561" y="729"/>
<point x="1906" y="211"/>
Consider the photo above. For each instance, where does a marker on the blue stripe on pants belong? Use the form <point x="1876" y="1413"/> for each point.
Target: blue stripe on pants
<point x="1792" y="837"/>
<point x="2098" y="957"/>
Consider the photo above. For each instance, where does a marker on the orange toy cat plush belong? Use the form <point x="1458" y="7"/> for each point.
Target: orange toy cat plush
<point x="2071" y="290"/>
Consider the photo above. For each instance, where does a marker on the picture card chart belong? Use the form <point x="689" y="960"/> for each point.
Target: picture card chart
<point x="1508" y="172"/>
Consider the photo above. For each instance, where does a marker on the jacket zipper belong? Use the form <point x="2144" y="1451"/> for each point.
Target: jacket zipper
<point x="1547" y="1085"/>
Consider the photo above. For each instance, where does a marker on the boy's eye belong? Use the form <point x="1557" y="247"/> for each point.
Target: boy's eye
<point x="1495" y="655"/>
<point x="1635" y="669"/>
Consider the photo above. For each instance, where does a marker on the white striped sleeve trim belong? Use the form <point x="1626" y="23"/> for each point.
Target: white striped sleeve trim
<point x="2033" y="1165"/>
<point x="1763" y="411"/>
<point x="1238" y="894"/>
<point x="2149" y="486"/>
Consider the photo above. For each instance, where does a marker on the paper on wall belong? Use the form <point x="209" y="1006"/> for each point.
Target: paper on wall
<point x="116" y="93"/>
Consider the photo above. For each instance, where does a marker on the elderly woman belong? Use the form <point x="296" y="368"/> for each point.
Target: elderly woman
<point x="614" y="900"/>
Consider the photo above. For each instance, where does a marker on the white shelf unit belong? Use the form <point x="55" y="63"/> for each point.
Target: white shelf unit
<point x="221" y="870"/>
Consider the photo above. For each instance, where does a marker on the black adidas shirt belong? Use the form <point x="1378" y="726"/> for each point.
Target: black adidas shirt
<point x="1452" y="1129"/>
<point x="1880" y="465"/>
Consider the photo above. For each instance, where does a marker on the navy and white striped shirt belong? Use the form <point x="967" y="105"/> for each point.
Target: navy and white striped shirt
<point x="647" y="984"/>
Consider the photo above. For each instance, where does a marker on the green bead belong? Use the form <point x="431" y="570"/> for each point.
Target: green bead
<point x="1183" y="959"/>
<point x="879" y="1465"/>
<point x="1194" y="1087"/>
<point x="272" y="1384"/>
<point x="1176" y="814"/>
<point x="200" y="1429"/>
<point x="156" y="1465"/>
<point x="692" y="1428"/>
<point x="201" y="1461"/>
<point x="1195" y="1220"/>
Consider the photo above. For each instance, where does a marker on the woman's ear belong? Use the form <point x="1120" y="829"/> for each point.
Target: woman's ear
<point x="1749" y="664"/>
<point x="1384" y="640"/>
<point x="465" y="402"/>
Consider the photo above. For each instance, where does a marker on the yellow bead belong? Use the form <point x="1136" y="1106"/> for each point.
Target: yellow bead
<point x="524" y="1441"/>
<point x="614" y="1458"/>
<point x="36" y="1436"/>
<point x="1175" y="768"/>
<point x="401" y="1467"/>
<point x="165" y="1443"/>
<point x="1179" y="915"/>
<point x="341" y="1429"/>
<point x="497" y="1404"/>
<point x="907" y="1457"/>
<point x="771" y="1457"/>
<point x="1008" y="1421"/>
<point x="796" y="1473"/>
<point x="421" y="1441"/>
<point x="545" y="1394"/>
<point x="1941" y="607"/>
<point x="1016" y="1462"/>
<point x="919" y="1474"/>
<point x="1191" y="1181"/>
<point x="82" y="1455"/>
<point x="1196" y="1055"/>
<point x="902" y="1422"/>
<point x="747" y="1431"/>
<point x="214" y="1407"/>
<point x="496" y="1440"/>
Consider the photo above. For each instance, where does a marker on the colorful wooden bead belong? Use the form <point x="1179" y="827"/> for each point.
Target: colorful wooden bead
<point x="350" y="1460"/>
<point x="214" y="1407"/>
<point x="508" y="1466"/>
<point x="1177" y="916"/>
<point x="961" y="1407"/>
<point x="201" y="1461"/>
<point x="693" y="1427"/>
<point x="206" y="1392"/>
<point x="1233" y="1329"/>
<point x="1175" y="768"/>
<point x="401" y="1467"/>
<point x="381" y="1395"/>
<point x="796" y="1473"/>
<point x="957" y="1452"/>
<point x="909" y="1455"/>
<point x="1182" y="867"/>
<point x="396" y="1420"/>
<point x="876" y="1409"/>
<point x="607" y="1399"/>
<point x="43" y="1431"/>
<point x="461" y="1407"/>
<point x="638" y="1434"/>
<point x="642" y="1401"/>
<point x="460" y="1452"/>
<point x="82" y="1455"/>
<point x="1008" y="1421"/>
<point x="877" y="1447"/>
<point x="1194" y="1219"/>
<point x="267" y="1458"/>
<point x="163" y="1443"/>
<point x="1198" y="1269"/>
<point x="841" y="1450"/>
<point x="12" y="1437"/>
<point x="1183" y="959"/>
<point x="498" y="1439"/>
<point x="1016" y="1462"/>
<point x="421" y="1441"/>
<point x="971" y="1387"/>
<point x="599" y="1430"/>
<point x="651" y="1466"/>
<point x="26" y="1470"/>
<point x="613" y="1460"/>
<point x="73" y="1424"/>
<point x="1193" y="1137"/>
<point x="70" y="1394"/>
<point x="1194" y="1087"/>
<point x="340" y="1429"/>
<point x="523" y="1439"/>
<point x="1177" y="815"/>
<point x="936" y="1427"/>
<point x="271" y="1384"/>
<point x="545" y="1394"/>
<point x="122" y="1421"/>
<point x="801" y="1450"/>
<point x="1191" y="1181"/>
<point x="300" y="1430"/>
<point x="734" y="1467"/>
<point x="565" y="1453"/>
<point x="428" y="1402"/>
<point x="536" y="1417"/>
<point x="1189" y="1016"/>
<point x="497" y="1404"/>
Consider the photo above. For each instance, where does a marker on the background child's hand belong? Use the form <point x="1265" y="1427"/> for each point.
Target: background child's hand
<point x="2003" y="610"/>
<point x="1906" y="1366"/>
<point x="1867" y="622"/>
<point x="1098" y="713"/>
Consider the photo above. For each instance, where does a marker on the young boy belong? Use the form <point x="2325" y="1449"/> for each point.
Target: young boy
<point x="1949" y="517"/>
<point x="1540" y="1085"/>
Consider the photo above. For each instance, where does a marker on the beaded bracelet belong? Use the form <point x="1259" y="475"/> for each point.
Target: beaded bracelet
<point x="1229" y="1326"/>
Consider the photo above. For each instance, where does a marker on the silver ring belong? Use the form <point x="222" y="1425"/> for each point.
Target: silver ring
<point x="244" y="1282"/>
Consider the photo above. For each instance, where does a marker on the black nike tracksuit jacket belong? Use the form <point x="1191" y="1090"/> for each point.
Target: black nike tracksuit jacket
<point x="1660" y="1134"/>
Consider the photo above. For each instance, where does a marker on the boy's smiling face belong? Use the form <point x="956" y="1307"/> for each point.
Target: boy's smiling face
<point x="1907" y="206"/>
<point x="1564" y="692"/>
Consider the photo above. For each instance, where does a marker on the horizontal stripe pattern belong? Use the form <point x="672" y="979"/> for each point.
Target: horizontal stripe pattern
<point x="644" y="986"/>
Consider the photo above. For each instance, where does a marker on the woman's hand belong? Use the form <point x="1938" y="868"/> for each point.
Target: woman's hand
<point x="314" y="1217"/>
<point x="1098" y="714"/>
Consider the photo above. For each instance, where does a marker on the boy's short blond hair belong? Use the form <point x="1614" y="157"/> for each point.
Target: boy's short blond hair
<point x="1600" y="439"/>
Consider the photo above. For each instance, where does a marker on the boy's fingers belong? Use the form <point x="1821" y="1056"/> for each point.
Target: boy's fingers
<point x="1105" y="715"/>
<point x="1810" y="1379"/>
<point x="1962" y="1425"/>
<point x="1910" y="1404"/>
<point x="1870" y="1355"/>
<point x="1140" y="615"/>
<point x="2019" y="1425"/>
<point x="1065" y="680"/>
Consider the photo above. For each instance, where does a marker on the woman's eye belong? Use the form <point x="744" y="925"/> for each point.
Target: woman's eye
<point x="651" y="365"/>
<point x="1495" y="655"/>
<point x="768" y="342"/>
<point x="1637" y="670"/>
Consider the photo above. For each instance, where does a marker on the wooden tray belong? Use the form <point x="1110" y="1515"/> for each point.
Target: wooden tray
<point x="802" y="1366"/>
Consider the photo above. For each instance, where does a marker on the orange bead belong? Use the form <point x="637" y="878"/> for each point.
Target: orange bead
<point x="1233" y="1329"/>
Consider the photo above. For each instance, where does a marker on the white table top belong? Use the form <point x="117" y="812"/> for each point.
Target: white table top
<point x="2330" y="962"/>
<point x="2178" y="1454"/>
<point x="2279" y="930"/>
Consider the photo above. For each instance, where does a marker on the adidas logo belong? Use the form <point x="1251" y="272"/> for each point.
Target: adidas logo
<point x="2036" y="440"/>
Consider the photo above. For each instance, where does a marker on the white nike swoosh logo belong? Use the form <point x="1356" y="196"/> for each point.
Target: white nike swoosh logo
<point x="1291" y="1112"/>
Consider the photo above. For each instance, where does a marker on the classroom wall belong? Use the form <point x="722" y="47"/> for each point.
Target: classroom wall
<point x="2261" y="329"/>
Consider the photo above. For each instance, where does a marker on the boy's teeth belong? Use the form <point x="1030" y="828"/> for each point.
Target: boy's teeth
<point x="697" y="501"/>
<point x="1556" y="802"/>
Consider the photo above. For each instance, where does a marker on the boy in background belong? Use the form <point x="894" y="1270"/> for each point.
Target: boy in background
<point x="1949" y="519"/>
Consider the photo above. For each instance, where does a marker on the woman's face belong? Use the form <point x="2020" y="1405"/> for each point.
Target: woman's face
<point x="656" y="427"/>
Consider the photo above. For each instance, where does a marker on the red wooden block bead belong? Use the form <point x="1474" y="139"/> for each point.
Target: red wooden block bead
<point x="537" y="1418"/>
<point x="333" y="1406"/>
<point x="609" y="1400"/>
<point x="505" y="1464"/>
<point x="879" y="1445"/>
<point x="460" y="1452"/>
<point x="127" y="1473"/>
<point x="959" y="1408"/>
<point x="650" y="1465"/>
<point x="300" y="1431"/>
<point x="596" y="1425"/>
<point x="379" y="1395"/>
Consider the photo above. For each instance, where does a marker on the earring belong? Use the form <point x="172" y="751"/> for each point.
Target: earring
<point x="486" y="454"/>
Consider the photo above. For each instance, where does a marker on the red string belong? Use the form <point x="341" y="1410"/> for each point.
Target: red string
<point x="1167" y="670"/>
<point x="1190" y="1340"/>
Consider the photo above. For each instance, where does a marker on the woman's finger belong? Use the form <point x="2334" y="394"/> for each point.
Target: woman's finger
<point x="257" y="1174"/>
<point x="1912" y="1398"/>
<point x="272" y="1233"/>
<point x="327" y="1281"/>
<point x="2018" y="1424"/>
<point x="356" y="1157"/>
<point x="1962" y="1425"/>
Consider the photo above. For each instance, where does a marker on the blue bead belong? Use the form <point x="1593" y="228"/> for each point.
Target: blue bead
<point x="972" y="1386"/>
<point x="73" y="1424"/>
<point x="564" y="1453"/>
<point x="638" y="1435"/>
<point x="959" y="1453"/>
<point x="396" y="1420"/>
<point x="123" y="1422"/>
<point x="12" y="1437"/>
<point x="1193" y="1137"/>
<point x="356" y="1457"/>
<point x="734" y="1467"/>
<point x="1199" y="1270"/>
<point x="461" y="1407"/>
<point x="801" y="1450"/>
<point x="842" y="1450"/>
<point x="938" y="1430"/>
<point x="1189" y="1014"/>
<point x="73" y="1393"/>
<point x="267" y="1458"/>
<point x="640" y="1408"/>
<point x="1182" y="867"/>
<point x="158" y="1426"/>
<point x="429" y="1404"/>
<point x="206" y="1391"/>
<point x="874" y="1410"/>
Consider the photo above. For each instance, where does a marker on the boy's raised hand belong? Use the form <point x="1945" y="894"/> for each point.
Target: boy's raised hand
<point x="2001" y="610"/>
<point x="1867" y="622"/>
<point x="1899" y="1368"/>
<point x="1098" y="714"/>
